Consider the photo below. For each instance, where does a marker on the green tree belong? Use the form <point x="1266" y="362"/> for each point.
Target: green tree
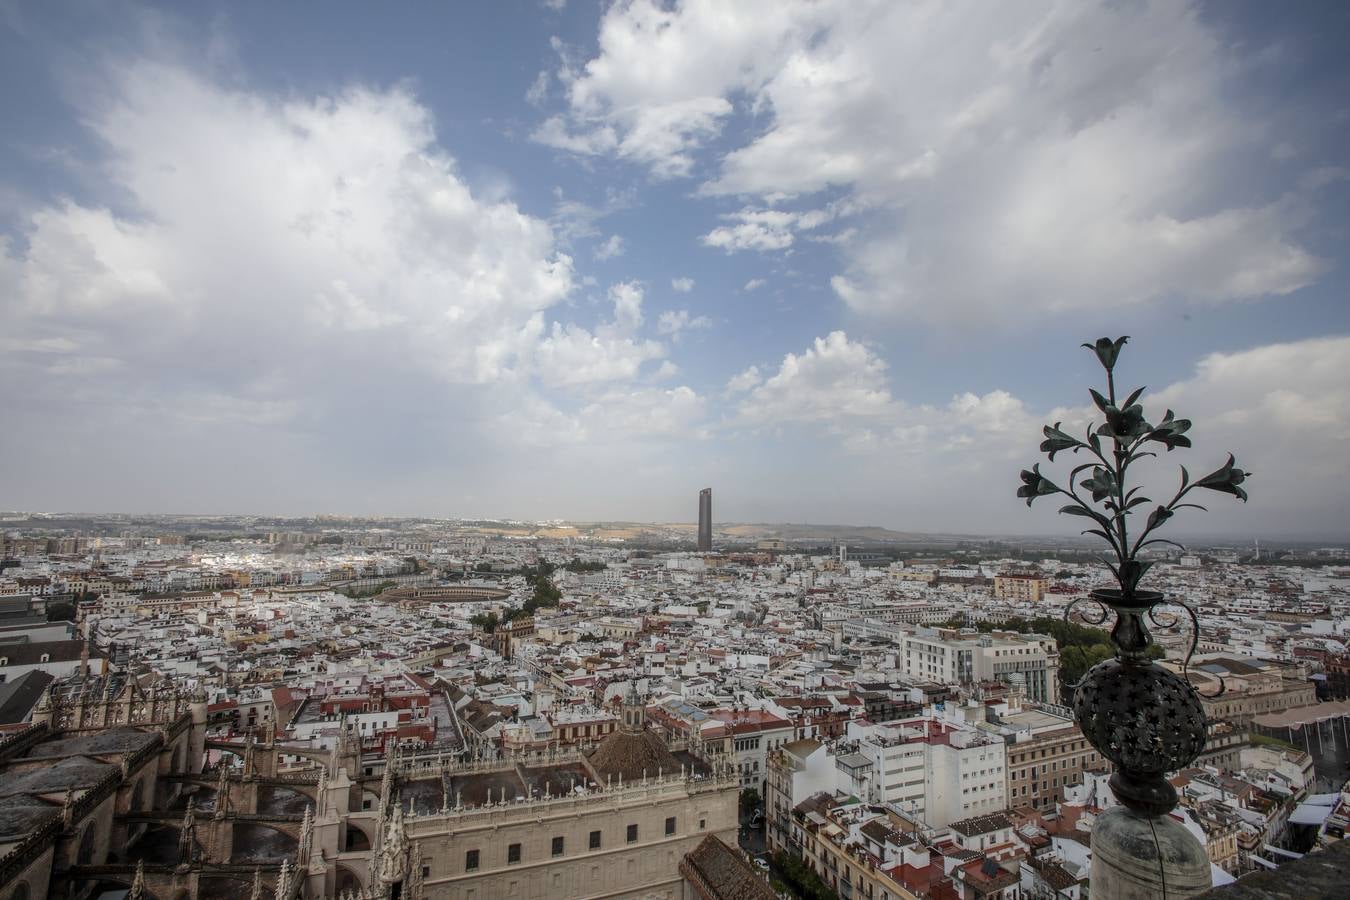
<point x="804" y="882"/>
<point x="485" y="622"/>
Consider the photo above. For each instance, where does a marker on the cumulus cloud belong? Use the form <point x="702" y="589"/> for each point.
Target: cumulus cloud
<point x="571" y="355"/>
<point x="283" y="265"/>
<point x="766" y="229"/>
<point x="744" y="381"/>
<point x="658" y="89"/>
<point x="335" y="222"/>
<point x="834" y="380"/>
<point x="676" y="321"/>
<point x="762" y="230"/>
<point x="627" y="299"/>
<point x="754" y="284"/>
<point x="843" y="387"/>
<point x="1035" y="157"/>
<point x="682" y="285"/>
<point x="1284" y="410"/>
<point x="610" y="248"/>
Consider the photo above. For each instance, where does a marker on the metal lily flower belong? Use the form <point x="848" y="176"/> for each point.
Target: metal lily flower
<point x="1114" y="445"/>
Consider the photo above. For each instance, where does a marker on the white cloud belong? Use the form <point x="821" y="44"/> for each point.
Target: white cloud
<point x="1284" y="410"/>
<point x="754" y="284"/>
<point x="570" y="355"/>
<point x="835" y="380"/>
<point x="739" y="384"/>
<point x="573" y="220"/>
<point x="1031" y="158"/>
<point x="538" y="90"/>
<point x="627" y="299"/>
<point x="534" y="421"/>
<point x="610" y="248"/>
<point x="346" y="266"/>
<point x="682" y="285"/>
<point x="628" y="415"/>
<point x="666" y="371"/>
<point x="338" y="229"/>
<point x="766" y="229"/>
<point x="554" y="133"/>
<point x="842" y="386"/>
<point x="675" y="321"/>
<point x="647" y="412"/>
<point x="754" y="230"/>
<point x="658" y="89"/>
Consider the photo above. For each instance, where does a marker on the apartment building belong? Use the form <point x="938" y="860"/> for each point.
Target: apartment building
<point x="754" y="734"/>
<point x="931" y="768"/>
<point x="1046" y="752"/>
<point x="949" y="656"/>
<point x="1025" y="586"/>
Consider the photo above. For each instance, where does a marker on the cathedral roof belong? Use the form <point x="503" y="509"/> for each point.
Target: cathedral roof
<point x="629" y="754"/>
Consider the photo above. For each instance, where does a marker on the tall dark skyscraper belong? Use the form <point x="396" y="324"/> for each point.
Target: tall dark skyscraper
<point x="705" y="519"/>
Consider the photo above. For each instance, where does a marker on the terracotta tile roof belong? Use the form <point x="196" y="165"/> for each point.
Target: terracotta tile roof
<point x="718" y="872"/>
<point x="981" y="824"/>
<point x="630" y="755"/>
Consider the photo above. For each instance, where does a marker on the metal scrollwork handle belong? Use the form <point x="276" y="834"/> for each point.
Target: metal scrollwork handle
<point x="1091" y="619"/>
<point x="1102" y="611"/>
<point x="1173" y="623"/>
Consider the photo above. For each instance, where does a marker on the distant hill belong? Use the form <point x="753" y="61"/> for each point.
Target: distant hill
<point x="748" y="531"/>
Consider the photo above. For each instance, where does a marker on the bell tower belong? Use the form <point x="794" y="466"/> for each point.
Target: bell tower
<point x="634" y="712"/>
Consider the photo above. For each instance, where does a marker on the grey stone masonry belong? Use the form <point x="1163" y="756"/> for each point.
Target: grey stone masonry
<point x="1138" y="857"/>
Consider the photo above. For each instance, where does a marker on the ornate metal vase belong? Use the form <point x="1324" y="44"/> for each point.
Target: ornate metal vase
<point x="1144" y="718"/>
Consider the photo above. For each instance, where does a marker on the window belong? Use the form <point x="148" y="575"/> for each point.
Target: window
<point x="702" y="824"/>
<point x="632" y="834"/>
<point x="595" y="840"/>
<point x="426" y="871"/>
<point x="513" y="853"/>
<point x="557" y="846"/>
<point x="670" y="825"/>
<point x="470" y="860"/>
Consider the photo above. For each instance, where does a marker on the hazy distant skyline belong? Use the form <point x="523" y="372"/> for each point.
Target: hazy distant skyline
<point x="578" y="260"/>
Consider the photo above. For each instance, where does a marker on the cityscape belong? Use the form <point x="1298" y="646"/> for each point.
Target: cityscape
<point x="206" y="701"/>
<point x="674" y="450"/>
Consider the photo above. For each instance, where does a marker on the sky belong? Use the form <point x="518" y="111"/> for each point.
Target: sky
<point x="578" y="260"/>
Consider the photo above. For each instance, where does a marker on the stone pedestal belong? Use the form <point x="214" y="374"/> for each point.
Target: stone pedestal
<point x="1136" y="857"/>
